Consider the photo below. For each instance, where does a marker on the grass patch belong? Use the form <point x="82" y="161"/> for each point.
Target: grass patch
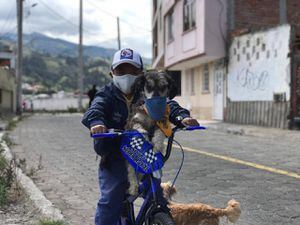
<point x="3" y="192"/>
<point x="11" y="124"/>
<point x="10" y="189"/>
<point x="51" y="222"/>
<point x="72" y="110"/>
<point x="7" y="139"/>
<point x="7" y="178"/>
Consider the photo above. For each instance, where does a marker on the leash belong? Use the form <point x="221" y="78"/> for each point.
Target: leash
<point x="180" y="167"/>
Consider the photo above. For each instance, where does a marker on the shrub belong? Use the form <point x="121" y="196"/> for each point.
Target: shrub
<point x="72" y="110"/>
<point x="7" y="178"/>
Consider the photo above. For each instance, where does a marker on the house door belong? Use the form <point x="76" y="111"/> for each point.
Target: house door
<point x="218" y="93"/>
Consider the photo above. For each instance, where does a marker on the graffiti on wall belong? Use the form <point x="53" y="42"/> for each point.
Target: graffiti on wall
<point x="248" y="79"/>
<point x="257" y="65"/>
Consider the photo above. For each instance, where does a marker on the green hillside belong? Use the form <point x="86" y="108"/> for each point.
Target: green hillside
<point x="61" y="72"/>
<point x="52" y="62"/>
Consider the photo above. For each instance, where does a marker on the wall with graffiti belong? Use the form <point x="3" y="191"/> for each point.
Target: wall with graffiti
<point x="259" y="66"/>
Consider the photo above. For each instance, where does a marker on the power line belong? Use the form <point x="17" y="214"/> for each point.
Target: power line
<point x="57" y="14"/>
<point x="7" y="19"/>
<point x="122" y="20"/>
<point x="70" y="22"/>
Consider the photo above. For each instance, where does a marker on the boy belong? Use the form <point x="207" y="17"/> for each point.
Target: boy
<point x="109" y="109"/>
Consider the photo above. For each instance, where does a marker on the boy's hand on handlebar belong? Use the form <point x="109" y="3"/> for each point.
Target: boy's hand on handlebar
<point x="98" y="129"/>
<point x="189" y="121"/>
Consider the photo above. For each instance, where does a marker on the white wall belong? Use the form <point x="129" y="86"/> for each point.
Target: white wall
<point x="263" y="67"/>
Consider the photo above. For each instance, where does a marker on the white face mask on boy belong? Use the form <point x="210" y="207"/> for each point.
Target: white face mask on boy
<point x="124" y="82"/>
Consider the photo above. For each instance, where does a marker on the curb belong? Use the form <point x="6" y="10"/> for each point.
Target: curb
<point x="229" y="130"/>
<point x="36" y="196"/>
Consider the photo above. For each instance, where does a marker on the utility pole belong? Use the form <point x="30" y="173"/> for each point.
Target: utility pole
<point x="119" y="38"/>
<point x="19" y="67"/>
<point x="80" y="61"/>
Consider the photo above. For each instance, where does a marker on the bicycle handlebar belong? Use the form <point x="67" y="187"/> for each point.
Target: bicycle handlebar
<point x="105" y="135"/>
<point x="111" y="133"/>
<point x="190" y="128"/>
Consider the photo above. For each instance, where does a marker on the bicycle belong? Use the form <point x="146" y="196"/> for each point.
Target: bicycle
<point x="138" y="152"/>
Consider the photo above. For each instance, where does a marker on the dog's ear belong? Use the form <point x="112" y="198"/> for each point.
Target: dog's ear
<point x="138" y="85"/>
<point x="171" y="86"/>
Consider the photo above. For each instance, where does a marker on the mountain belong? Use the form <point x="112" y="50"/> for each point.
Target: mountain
<point x="43" y="44"/>
<point x="52" y="63"/>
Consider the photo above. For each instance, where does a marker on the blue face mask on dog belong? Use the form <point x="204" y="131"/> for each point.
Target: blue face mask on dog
<point x="156" y="107"/>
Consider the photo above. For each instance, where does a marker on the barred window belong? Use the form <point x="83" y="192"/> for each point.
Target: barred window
<point x="189" y="15"/>
<point x="205" y="80"/>
<point x="170" y="21"/>
<point x="190" y="81"/>
<point x="160" y="18"/>
<point x="192" y="74"/>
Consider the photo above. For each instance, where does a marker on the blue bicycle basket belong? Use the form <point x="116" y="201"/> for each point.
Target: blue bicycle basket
<point x="139" y="153"/>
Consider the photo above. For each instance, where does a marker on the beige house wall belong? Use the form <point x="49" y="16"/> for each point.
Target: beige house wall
<point x="200" y="103"/>
<point x="8" y="91"/>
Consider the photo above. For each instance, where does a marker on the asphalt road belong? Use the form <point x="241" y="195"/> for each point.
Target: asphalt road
<point x="262" y="173"/>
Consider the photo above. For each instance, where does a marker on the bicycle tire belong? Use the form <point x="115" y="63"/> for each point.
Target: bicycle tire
<point x="161" y="219"/>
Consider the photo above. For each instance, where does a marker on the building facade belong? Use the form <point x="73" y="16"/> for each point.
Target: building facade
<point x="7" y="82"/>
<point x="259" y="78"/>
<point x="280" y="107"/>
<point x="189" y="40"/>
<point x="197" y="40"/>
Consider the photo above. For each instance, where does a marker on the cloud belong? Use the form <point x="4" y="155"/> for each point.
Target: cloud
<point x="60" y="18"/>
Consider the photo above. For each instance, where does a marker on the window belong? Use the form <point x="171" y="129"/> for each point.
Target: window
<point x="170" y="21"/>
<point x="192" y="74"/>
<point x="160" y="18"/>
<point x="205" y="80"/>
<point x="189" y="15"/>
<point x="190" y="82"/>
<point x="154" y="43"/>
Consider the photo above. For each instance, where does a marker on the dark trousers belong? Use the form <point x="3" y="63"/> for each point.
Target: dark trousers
<point x="113" y="185"/>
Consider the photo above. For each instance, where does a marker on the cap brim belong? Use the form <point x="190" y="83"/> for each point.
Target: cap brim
<point x="126" y="61"/>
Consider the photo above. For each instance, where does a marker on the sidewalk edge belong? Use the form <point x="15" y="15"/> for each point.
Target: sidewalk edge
<point x="46" y="207"/>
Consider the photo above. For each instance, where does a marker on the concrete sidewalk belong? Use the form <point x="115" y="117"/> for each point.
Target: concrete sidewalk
<point x="249" y="130"/>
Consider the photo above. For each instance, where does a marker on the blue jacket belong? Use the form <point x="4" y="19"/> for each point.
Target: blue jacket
<point x="109" y="108"/>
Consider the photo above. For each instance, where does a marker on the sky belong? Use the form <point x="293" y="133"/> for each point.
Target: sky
<point x="60" y="19"/>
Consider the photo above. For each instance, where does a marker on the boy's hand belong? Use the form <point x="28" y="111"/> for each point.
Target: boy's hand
<point x="189" y="121"/>
<point x="98" y="129"/>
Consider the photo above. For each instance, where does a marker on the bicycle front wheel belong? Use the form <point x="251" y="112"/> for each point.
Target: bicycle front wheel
<point x="161" y="219"/>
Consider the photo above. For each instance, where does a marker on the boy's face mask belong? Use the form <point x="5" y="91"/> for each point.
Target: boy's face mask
<point x="124" y="82"/>
<point x="156" y="107"/>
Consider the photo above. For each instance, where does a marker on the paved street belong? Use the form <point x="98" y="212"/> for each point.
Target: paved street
<point x="69" y="174"/>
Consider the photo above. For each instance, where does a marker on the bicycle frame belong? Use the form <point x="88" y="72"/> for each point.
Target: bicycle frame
<point x="148" y="188"/>
<point x="150" y="204"/>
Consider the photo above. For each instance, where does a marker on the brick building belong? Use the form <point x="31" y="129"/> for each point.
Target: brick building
<point x="249" y="16"/>
<point x="258" y="14"/>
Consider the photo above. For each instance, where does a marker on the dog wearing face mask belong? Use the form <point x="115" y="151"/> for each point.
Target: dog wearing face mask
<point x="150" y="116"/>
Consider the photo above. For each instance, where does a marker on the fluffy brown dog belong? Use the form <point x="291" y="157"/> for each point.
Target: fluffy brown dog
<point x="198" y="213"/>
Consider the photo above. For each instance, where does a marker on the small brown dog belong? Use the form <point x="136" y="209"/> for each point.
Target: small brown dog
<point x="198" y="213"/>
